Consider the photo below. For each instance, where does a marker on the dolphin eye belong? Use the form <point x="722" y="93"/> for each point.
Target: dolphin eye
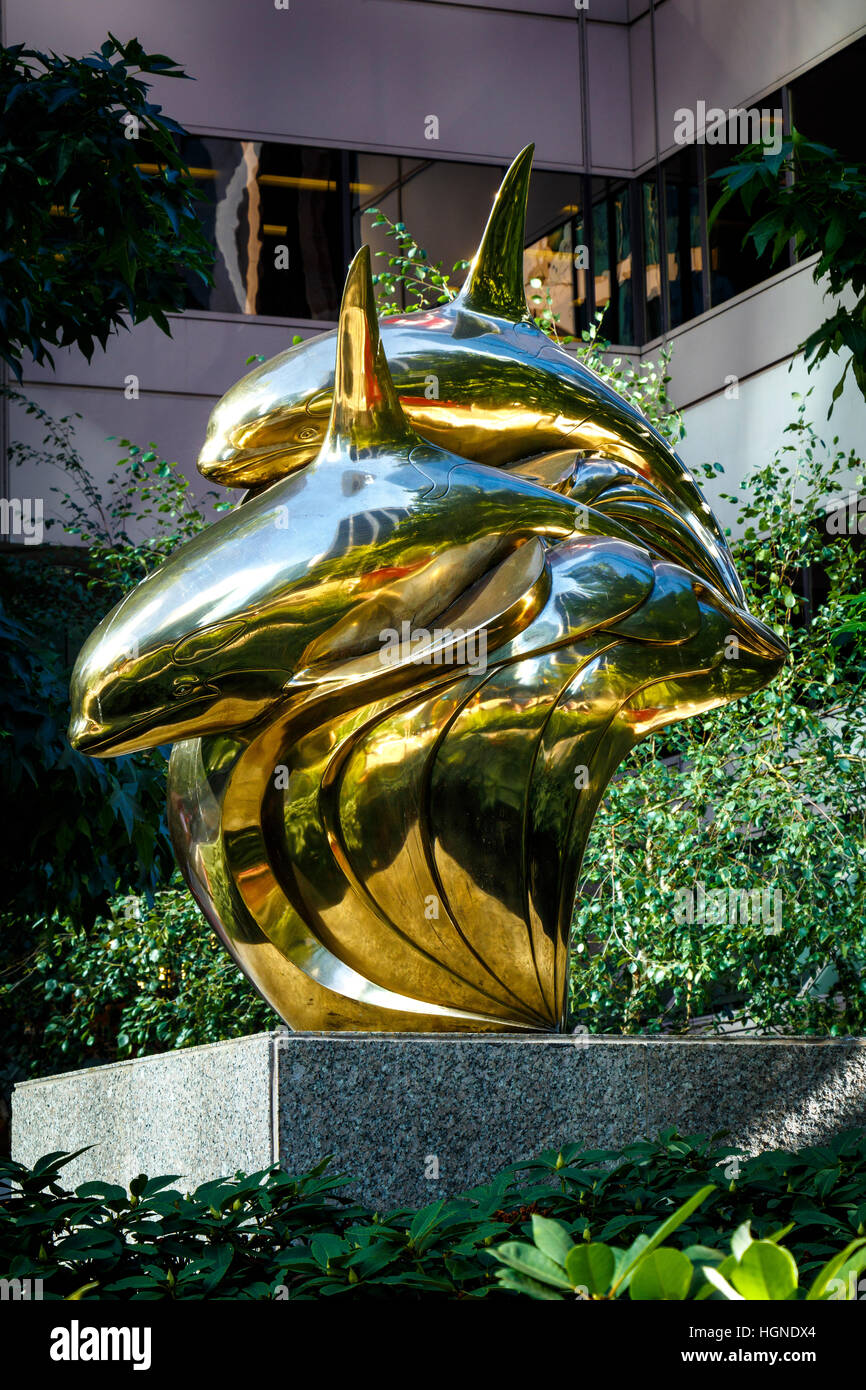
<point x="186" y="685"/>
<point x="308" y="432"/>
<point x="210" y="639"/>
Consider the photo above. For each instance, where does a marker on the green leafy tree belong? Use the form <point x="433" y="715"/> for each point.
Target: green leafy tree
<point x="98" y="210"/>
<point x="810" y="195"/>
<point x="77" y="828"/>
<point x="126" y="525"/>
<point x="146" y="977"/>
<point x="766" y="797"/>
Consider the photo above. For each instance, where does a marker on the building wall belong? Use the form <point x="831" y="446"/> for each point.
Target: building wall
<point x="727" y="55"/>
<point x="358" y="73"/>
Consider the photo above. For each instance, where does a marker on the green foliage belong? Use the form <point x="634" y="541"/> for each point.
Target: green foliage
<point x="84" y="828"/>
<point x="644" y="386"/>
<point x="129" y="525"/>
<point x="423" y="283"/>
<point x="77" y="827"/>
<point x="91" y="239"/>
<point x="809" y="194"/>
<point x="549" y="1221"/>
<point x="149" y="977"/>
<point x="767" y="796"/>
<point x="652" y="1272"/>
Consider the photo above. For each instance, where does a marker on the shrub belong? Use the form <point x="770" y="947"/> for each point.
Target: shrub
<point x="150" y="977"/>
<point x="273" y="1235"/>
<point x="766" y="797"/>
<point x="80" y="827"/>
<point x="652" y="1272"/>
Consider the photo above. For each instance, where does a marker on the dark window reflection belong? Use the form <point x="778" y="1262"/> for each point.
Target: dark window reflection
<point x="297" y="219"/>
<point x="273" y="214"/>
<point x="612" y="250"/>
<point x="826" y="102"/>
<point x="445" y="205"/>
<point x="652" y="257"/>
<point x="442" y="204"/>
<point x="683" y="237"/>
<point x="375" y="183"/>
<point x="734" y="267"/>
<point x="218" y="168"/>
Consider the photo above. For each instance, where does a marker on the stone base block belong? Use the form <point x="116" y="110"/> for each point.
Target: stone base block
<point x="413" y="1117"/>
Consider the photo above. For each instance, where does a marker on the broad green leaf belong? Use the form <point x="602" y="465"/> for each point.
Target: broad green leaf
<point x="831" y="1270"/>
<point x="663" y="1275"/>
<point x="590" y="1266"/>
<point x="527" y="1260"/>
<point x="552" y="1238"/>
<point x="425" y="1220"/>
<point x="720" y="1283"/>
<point x="668" y="1227"/>
<point x="522" y="1283"/>
<point x="741" y="1240"/>
<point x="766" y="1271"/>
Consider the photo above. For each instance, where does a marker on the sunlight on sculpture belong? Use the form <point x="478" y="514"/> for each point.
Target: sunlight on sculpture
<point x="400" y="676"/>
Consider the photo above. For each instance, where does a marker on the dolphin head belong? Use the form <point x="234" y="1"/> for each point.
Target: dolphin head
<point x="477" y="377"/>
<point x="187" y="652"/>
<point x="274" y="420"/>
<point x="262" y="606"/>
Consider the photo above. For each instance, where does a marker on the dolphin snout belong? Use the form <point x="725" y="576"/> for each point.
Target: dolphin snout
<point x="753" y="637"/>
<point x="86" y="734"/>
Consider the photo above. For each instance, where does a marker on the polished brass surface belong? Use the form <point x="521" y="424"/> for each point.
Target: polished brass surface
<point x="398" y="682"/>
<point x="477" y="377"/>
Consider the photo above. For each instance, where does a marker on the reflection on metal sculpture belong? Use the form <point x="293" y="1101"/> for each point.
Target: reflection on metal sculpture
<point x="399" y="679"/>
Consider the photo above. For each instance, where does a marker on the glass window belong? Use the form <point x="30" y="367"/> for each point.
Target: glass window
<point x="446" y="205"/>
<point x="297" y="219"/>
<point x="552" y="198"/>
<point x="557" y="253"/>
<point x="734" y="266"/>
<point x="652" y="258"/>
<point x="580" y="241"/>
<point x="624" y="299"/>
<point x="602" y="288"/>
<point x="825" y="102"/>
<point x="219" y="169"/>
<point x="612" y="259"/>
<point x="273" y="212"/>
<point x="683" y="241"/>
<point x="375" y="183"/>
<point x="557" y="258"/>
<point x="548" y="270"/>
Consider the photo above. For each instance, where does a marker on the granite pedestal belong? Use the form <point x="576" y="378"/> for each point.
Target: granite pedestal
<point x="414" y="1117"/>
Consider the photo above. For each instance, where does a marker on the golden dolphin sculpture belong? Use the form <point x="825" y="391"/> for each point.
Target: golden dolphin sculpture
<point x="478" y="377"/>
<point x="398" y="683"/>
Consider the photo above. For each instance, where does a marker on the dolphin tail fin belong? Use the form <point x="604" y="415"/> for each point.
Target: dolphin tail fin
<point x="366" y="408"/>
<point x="494" y="282"/>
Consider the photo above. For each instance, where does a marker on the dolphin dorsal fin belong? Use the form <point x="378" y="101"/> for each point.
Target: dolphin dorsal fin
<point x="494" y="281"/>
<point x="366" y="408"/>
